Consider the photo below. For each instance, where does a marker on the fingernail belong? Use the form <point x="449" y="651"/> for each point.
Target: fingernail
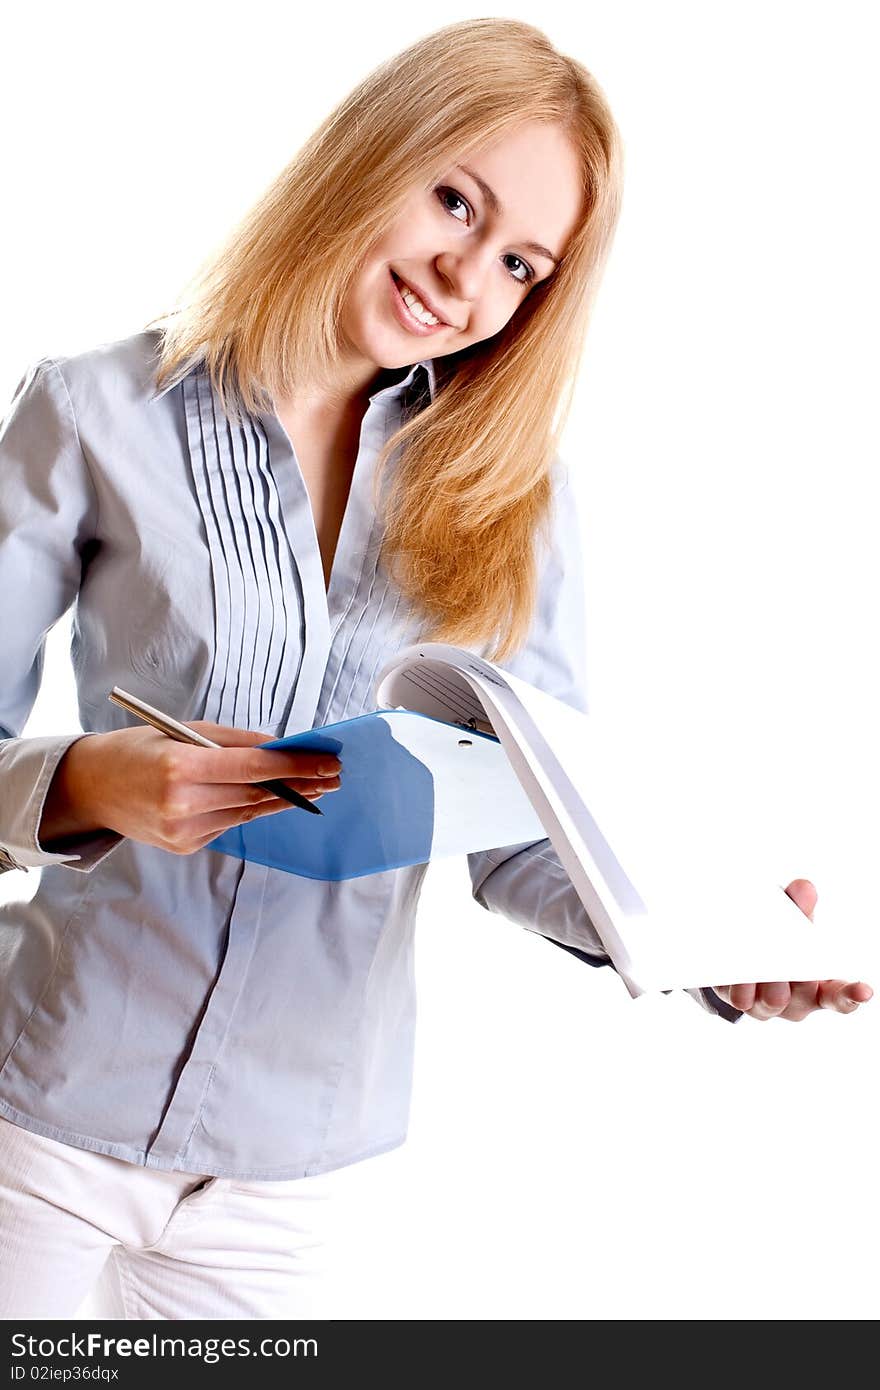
<point x="327" y="770"/>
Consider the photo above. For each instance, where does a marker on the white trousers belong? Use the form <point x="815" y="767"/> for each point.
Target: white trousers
<point x="141" y="1243"/>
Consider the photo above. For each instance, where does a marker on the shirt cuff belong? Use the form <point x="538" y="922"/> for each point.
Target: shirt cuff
<point x="528" y="884"/>
<point x="714" y="1004"/>
<point x="27" y="766"/>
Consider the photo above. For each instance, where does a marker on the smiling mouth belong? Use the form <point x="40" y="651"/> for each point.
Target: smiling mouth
<point x="402" y="286"/>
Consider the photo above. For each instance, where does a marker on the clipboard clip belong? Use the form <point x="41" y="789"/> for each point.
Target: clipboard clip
<point x="475" y="726"/>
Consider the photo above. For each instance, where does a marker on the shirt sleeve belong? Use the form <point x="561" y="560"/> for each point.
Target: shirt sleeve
<point x="48" y="513"/>
<point x="527" y="882"/>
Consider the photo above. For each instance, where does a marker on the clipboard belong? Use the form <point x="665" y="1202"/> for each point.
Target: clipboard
<point x="413" y="788"/>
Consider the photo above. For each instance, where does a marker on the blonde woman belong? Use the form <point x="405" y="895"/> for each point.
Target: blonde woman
<point x="343" y="439"/>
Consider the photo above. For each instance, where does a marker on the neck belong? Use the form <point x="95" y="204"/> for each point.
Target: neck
<point x="336" y="402"/>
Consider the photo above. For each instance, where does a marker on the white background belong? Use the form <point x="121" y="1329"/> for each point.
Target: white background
<point x="575" y="1154"/>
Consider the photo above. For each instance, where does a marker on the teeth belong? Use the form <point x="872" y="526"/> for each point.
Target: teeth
<point x="415" y="306"/>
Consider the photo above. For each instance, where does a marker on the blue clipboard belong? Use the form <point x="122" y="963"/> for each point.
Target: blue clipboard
<point x="413" y="788"/>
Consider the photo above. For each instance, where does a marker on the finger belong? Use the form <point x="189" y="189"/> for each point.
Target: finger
<point x="774" y="994"/>
<point x="226" y="735"/>
<point x="237" y="738"/>
<point x="842" y="996"/>
<point x="249" y="765"/>
<point x="860" y="991"/>
<point x="327" y="782"/>
<point x="311" y="787"/>
<point x="742" y="996"/>
<point x="207" y="828"/>
<point x="804" y="1000"/>
<point x="771" y="998"/>
<point x="203" y="799"/>
<point x="803" y="892"/>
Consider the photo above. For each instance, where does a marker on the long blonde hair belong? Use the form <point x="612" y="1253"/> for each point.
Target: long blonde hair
<point x="472" y="488"/>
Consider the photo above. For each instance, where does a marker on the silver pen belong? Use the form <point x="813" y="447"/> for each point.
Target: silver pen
<point x="184" y="734"/>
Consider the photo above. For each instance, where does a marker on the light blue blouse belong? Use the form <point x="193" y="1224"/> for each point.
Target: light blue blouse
<point x="196" y="1012"/>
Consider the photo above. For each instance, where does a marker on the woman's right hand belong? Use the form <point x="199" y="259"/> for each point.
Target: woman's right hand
<point x="173" y="795"/>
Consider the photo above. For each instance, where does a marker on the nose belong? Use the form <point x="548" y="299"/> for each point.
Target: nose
<point x="465" y="271"/>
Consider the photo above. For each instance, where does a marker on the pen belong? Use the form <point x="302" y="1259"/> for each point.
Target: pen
<point x="183" y="734"/>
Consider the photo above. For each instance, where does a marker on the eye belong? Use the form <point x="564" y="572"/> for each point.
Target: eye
<point x="445" y="195"/>
<point x="529" y="273"/>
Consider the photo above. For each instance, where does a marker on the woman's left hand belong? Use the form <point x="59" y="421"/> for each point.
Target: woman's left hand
<point x="794" y="999"/>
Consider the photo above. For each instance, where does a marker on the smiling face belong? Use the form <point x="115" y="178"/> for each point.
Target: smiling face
<point x="472" y="246"/>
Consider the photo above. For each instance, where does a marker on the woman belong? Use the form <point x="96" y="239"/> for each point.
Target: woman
<point x="253" y="505"/>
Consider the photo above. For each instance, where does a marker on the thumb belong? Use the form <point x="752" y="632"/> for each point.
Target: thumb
<point x="803" y="892"/>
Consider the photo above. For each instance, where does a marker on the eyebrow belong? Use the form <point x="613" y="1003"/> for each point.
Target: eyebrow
<point x="492" y="199"/>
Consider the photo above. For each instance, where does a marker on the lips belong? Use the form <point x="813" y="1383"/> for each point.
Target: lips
<point x="432" y="308"/>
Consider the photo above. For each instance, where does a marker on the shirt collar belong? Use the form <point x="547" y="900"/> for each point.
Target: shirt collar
<point x="431" y="374"/>
<point x="413" y="376"/>
<point x="396" y="387"/>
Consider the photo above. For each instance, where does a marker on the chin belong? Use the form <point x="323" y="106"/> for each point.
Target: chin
<point x="388" y="355"/>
